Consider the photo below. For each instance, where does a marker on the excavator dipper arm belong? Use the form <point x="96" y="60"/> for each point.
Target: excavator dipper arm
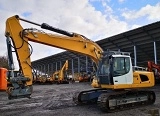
<point x="20" y="38"/>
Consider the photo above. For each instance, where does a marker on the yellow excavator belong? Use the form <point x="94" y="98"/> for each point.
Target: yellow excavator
<point x="60" y="76"/>
<point x="41" y="79"/>
<point x="119" y="86"/>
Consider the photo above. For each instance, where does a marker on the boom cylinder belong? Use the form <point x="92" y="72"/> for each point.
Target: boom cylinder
<point x="48" y="27"/>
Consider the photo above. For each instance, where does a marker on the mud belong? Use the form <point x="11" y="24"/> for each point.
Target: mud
<point x="51" y="100"/>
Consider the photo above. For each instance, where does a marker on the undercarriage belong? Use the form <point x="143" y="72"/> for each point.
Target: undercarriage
<point x="113" y="100"/>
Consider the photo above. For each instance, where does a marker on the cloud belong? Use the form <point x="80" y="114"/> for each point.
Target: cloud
<point x="73" y="16"/>
<point x="68" y="15"/>
<point x="121" y="1"/>
<point x="150" y="12"/>
<point x="135" y="26"/>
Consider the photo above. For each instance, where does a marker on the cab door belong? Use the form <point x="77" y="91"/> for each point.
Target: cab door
<point x="121" y="70"/>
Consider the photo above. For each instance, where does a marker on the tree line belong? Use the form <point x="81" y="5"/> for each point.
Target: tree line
<point x="4" y="62"/>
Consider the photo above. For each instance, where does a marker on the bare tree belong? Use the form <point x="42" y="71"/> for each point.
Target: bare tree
<point x="4" y="62"/>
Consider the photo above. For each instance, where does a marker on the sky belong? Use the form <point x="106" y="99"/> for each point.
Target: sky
<point x="96" y="19"/>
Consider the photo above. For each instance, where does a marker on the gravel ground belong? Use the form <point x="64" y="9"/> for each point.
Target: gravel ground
<point x="55" y="99"/>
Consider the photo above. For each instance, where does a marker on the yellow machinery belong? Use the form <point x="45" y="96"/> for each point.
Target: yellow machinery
<point x="41" y="79"/>
<point x="119" y="86"/>
<point x="84" y="77"/>
<point x="60" y="76"/>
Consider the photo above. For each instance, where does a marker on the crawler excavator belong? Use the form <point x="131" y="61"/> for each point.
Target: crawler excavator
<point x="60" y="76"/>
<point x="119" y="86"/>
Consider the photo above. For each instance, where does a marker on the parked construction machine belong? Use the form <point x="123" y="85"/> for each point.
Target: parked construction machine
<point x="41" y="79"/>
<point x="119" y="86"/>
<point x="155" y="68"/>
<point x="60" y="76"/>
<point x="84" y="77"/>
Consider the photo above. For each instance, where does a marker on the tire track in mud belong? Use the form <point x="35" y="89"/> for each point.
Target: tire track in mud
<point x="20" y="104"/>
<point x="60" y="101"/>
<point x="45" y="98"/>
<point x="46" y="102"/>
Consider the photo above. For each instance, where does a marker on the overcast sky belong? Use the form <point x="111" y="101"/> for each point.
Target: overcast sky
<point x="96" y="19"/>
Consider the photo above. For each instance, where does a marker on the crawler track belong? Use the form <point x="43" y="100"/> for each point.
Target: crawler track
<point x="113" y="101"/>
<point x="117" y="101"/>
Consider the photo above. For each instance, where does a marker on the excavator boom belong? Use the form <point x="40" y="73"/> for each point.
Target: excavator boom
<point x="62" y="70"/>
<point x="69" y="41"/>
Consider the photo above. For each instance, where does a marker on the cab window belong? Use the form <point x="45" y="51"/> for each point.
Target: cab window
<point x="121" y="66"/>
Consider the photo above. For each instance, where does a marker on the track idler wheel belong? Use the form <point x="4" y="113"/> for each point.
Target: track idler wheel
<point x="103" y="102"/>
<point x="76" y="99"/>
<point x="151" y="97"/>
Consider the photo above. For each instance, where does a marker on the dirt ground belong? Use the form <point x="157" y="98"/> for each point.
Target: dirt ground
<point x="51" y="100"/>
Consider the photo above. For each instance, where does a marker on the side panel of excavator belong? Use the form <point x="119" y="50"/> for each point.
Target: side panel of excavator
<point x="120" y="75"/>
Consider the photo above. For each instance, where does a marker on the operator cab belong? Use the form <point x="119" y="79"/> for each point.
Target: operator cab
<point x="115" y="68"/>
